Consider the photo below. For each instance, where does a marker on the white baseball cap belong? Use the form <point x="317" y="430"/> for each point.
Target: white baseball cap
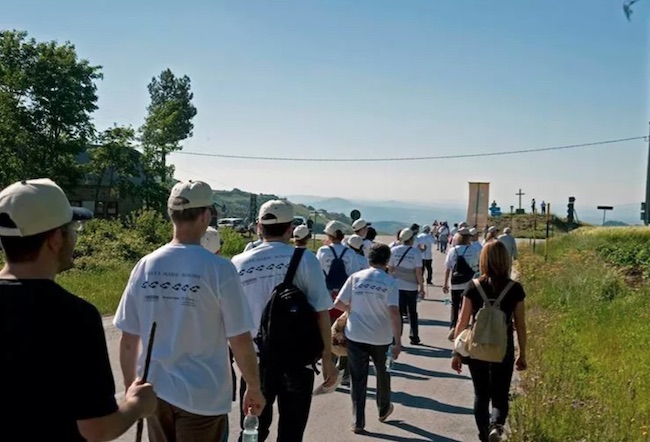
<point x="332" y="227"/>
<point x="463" y="224"/>
<point x="211" y="240"/>
<point x="492" y="229"/>
<point x="276" y="212"/>
<point x="301" y="232"/>
<point x="355" y="241"/>
<point x="190" y="195"/>
<point x="359" y="224"/>
<point x="473" y="231"/>
<point x="36" y="206"/>
<point x="405" y="234"/>
<point x="464" y="231"/>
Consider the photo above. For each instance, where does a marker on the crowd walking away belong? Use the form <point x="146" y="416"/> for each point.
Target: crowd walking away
<point x="351" y="301"/>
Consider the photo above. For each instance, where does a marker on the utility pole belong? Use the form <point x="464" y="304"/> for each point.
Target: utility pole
<point x="646" y="219"/>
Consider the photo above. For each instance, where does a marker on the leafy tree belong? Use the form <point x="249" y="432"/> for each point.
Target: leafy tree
<point x="168" y="122"/>
<point x="114" y="163"/>
<point x="47" y="96"/>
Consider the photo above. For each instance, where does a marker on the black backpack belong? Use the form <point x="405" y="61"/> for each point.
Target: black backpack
<point x="337" y="274"/>
<point x="462" y="272"/>
<point x="289" y="336"/>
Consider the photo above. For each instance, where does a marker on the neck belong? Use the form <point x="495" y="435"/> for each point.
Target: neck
<point x="378" y="266"/>
<point x="277" y="239"/>
<point x="186" y="236"/>
<point x="29" y="270"/>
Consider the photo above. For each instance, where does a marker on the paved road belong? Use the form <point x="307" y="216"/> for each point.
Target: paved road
<point x="432" y="403"/>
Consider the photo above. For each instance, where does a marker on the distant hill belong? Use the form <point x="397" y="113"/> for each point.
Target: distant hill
<point x="235" y="203"/>
<point x="390" y="215"/>
<point x="614" y="223"/>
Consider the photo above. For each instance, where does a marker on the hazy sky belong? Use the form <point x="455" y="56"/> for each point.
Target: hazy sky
<point x="380" y="78"/>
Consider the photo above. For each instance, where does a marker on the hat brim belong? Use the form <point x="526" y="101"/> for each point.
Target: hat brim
<point x="81" y="214"/>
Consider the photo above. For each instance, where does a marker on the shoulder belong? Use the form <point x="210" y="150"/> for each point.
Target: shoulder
<point x="517" y="291"/>
<point x="78" y="309"/>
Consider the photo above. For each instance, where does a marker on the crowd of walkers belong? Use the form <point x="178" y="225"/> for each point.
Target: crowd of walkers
<point x="350" y="300"/>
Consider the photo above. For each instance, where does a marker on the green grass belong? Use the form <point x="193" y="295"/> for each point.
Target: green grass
<point x="103" y="288"/>
<point x="589" y="339"/>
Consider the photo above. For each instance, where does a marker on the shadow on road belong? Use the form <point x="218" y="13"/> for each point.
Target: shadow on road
<point x="429" y="351"/>
<point x="405" y="368"/>
<point x="424" y="403"/>
<point x="434" y="323"/>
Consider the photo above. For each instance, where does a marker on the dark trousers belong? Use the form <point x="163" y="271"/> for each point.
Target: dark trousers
<point x="491" y="384"/>
<point x="293" y="390"/>
<point x="170" y="423"/>
<point x="456" y="302"/>
<point x="408" y="302"/>
<point x="427" y="265"/>
<point x="359" y="355"/>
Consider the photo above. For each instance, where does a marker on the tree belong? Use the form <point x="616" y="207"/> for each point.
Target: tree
<point x="47" y="96"/>
<point x="114" y="163"/>
<point x="168" y="122"/>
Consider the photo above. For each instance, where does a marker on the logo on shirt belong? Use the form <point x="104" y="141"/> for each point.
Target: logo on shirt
<point x="168" y="285"/>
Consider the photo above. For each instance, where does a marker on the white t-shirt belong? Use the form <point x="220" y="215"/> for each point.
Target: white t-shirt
<point x="477" y="246"/>
<point x="251" y="245"/>
<point x="367" y="244"/>
<point x="264" y="267"/>
<point x="427" y="240"/>
<point x="412" y="261"/>
<point x="471" y="255"/>
<point x="362" y="262"/>
<point x="369" y="293"/>
<point x="198" y="302"/>
<point x="393" y="244"/>
<point x="325" y="257"/>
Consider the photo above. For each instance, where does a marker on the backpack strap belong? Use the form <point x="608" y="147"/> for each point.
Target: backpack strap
<point x="334" y="252"/>
<point x="344" y="250"/>
<point x="404" y="256"/>
<point x="293" y="265"/>
<point x="497" y="302"/>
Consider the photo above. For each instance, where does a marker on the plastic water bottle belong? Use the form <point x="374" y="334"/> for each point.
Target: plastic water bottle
<point x="251" y="423"/>
<point x="389" y="359"/>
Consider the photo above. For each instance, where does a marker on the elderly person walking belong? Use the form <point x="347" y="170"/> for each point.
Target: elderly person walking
<point x="371" y="298"/>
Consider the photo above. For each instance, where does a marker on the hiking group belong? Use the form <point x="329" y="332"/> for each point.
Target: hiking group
<point x="281" y="313"/>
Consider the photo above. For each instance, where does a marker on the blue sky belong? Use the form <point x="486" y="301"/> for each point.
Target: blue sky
<point x="380" y="78"/>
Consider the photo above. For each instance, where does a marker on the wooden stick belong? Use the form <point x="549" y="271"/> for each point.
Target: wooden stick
<point x="147" y="362"/>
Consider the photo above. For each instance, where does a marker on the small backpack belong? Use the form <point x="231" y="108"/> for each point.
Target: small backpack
<point x="488" y="338"/>
<point x="289" y="336"/>
<point x="462" y="272"/>
<point x="337" y="274"/>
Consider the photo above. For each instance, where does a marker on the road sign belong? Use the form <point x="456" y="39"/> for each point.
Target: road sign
<point x="605" y="207"/>
<point x="355" y="215"/>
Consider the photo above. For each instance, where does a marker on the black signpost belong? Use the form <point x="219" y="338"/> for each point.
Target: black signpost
<point x="605" y="209"/>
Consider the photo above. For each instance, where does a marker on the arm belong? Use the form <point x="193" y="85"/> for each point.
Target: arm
<point x="114" y="425"/>
<point x="330" y="373"/>
<point x="463" y="321"/>
<point x="445" y="285"/>
<point x="246" y="359"/>
<point x="396" y="323"/>
<point x="522" y="337"/>
<point x="340" y="305"/>
<point x="419" y="275"/>
<point x="129" y="352"/>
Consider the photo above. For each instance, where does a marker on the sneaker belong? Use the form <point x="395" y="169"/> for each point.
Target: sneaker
<point x="451" y="334"/>
<point x="388" y="413"/>
<point x="357" y="430"/>
<point x="495" y="434"/>
<point x="345" y="381"/>
<point x="415" y="341"/>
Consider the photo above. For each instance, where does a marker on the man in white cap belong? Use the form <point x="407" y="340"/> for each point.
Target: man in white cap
<point x="260" y="271"/>
<point x="360" y="228"/>
<point x="406" y="265"/>
<point x="425" y="244"/>
<point x="474" y="243"/>
<point x="197" y="300"/>
<point x="301" y="236"/>
<point x="355" y="242"/>
<point x="337" y="265"/>
<point x="211" y="240"/>
<point x="490" y="235"/>
<point x="53" y="343"/>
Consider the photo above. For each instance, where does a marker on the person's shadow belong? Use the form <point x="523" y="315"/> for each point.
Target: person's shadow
<point x="424" y="435"/>
<point x="421" y="402"/>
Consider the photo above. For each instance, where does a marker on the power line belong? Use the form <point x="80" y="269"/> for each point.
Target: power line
<point x="437" y="157"/>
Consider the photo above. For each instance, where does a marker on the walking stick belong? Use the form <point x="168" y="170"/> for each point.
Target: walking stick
<point x="147" y="362"/>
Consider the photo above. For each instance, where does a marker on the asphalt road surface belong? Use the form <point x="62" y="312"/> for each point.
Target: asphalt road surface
<point x="432" y="402"/>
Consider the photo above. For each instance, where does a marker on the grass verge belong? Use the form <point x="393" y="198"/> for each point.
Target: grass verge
<point x="589" y="358"/>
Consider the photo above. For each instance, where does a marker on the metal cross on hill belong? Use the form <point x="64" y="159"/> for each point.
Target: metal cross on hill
<point x="520" y="194"/>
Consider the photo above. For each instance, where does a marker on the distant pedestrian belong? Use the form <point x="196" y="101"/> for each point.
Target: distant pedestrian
<point x="360" y="227"/>
<point x="532" y="206"/>
<point x="425" y="244"/>
<point x="474" y="241"/>
<point x="301" y="236"/>
<point x="443" y="236"/>
<point x="543" y="207"/>
<point x="492" y="380"/>
<point x="396" y="242"/>
<point x="355" y="242"/>
<point x="54" y="351"/>
<point x="406" y="266"/>
<point x="490" y="234"/>
<point x="371" y="298"/>
<point x="511" y="244"/>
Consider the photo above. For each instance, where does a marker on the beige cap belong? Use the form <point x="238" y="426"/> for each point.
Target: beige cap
<point x="211" y="240"/>
<point x="359" y="224"/>
<point x="463" y="224"/>
<point x="507" y="230"/>
<point x="276" y="212"/>
<point x="190" y="195"/>
<point x="333" y="226"/>
<point x="473" y="231"/>
<point x="355" y="241"/>
<point x="405" y="234"/>
<point x="492" y="229"/>
<point x="36" y="206"/>
<point x="464" y="231"/>
<point x="301" y="232"/>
